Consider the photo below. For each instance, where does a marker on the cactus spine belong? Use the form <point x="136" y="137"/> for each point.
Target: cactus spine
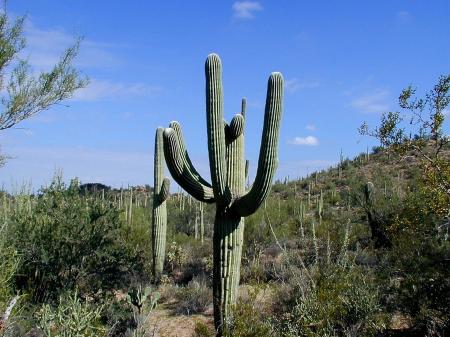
<point x="160" y="194"/>
<point x="227" y="168"/>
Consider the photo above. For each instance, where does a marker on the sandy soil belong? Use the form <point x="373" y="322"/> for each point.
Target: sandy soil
<point x="164" y="323"/>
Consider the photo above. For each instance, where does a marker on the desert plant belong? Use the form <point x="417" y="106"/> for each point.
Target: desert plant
<point x="248" y="318"/>
<point x="344" y="302"/>
<point x="26" y="93"/>
<point x="227" y="167"/>
<point x="161" y="192"/>
<point x="138" y="296"/>
<point x="375" y="221"/>
<point x="425" y="140"/>
<point x="9" y="263"/>
<point x="71" y="318"/>
<point x="69" y="241"/>
<point x="194" y="298"/>
<point x="202" y="330"/>
<point x="119" y="316"/>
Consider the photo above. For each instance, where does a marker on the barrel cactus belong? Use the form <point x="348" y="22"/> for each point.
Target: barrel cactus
<point x="161" y="192"/>
<point x="227" y="168"/>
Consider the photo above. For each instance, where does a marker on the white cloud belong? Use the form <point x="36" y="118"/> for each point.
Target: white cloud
<point x="310" y="127"/>
<point x="103" y="89"/>
<point x="294" y="84"/>
<point x="308" y="141"/>
<point x="246" y="9"/>
<point x="45" y="47"/>
<point x="375" y="102"/>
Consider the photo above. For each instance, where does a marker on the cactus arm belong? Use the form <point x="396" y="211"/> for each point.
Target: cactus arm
<point x="268" y="155"/>
<point x="236" y="127"/>
<point x="243" y="106"/>
<point x="165" y="190"/>
<point x="185" y="155"/>
<point x="215" y="127"/>
<point x="161" y="184"/>
<point x="181" y="173"/>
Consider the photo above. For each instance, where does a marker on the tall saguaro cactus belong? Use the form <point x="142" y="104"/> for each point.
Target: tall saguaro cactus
<point x="227" y="167"/>
<point x="161" y="192"/>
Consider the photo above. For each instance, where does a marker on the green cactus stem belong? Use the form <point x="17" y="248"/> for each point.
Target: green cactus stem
<point x="161" y="193"/>
<point x="320" y="207"/>
<point x="228" y="174"/>
<point x="202" y="224"/>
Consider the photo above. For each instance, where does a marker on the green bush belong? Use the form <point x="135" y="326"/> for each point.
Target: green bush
<point x="66" y="240"/>
<point x="119" y="316"/>
<point x="71" y="318"/>
<point x="9" y="263"/>
<point x="249" y="318"/>
<point x="343" y="301"/>
<point x="193" y="298"/>
<point x="203" y="330"/>
<point x="416" y="270"/>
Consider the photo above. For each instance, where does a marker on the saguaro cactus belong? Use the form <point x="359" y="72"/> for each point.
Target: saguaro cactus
<point x="227" y="167"/>
<point x="161" y="192"/>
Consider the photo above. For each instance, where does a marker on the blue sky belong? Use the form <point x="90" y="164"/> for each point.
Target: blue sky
<point x="343" y="62"/>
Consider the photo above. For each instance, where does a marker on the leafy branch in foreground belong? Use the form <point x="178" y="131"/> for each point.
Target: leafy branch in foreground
<point x="26" y="93"/>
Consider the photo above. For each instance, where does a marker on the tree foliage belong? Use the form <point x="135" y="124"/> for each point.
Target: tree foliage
<point x="424" y="138"/>
<point x="27" y="93"/>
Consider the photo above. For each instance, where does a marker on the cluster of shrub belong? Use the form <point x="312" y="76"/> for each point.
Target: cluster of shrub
<point x="328" y="255"/>
<point x="67" y="255"/>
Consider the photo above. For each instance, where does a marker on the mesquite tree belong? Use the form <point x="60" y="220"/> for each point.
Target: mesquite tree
<point x="227" y="168"/>
<point x="26" y="92"/>
<point x="160" y="194"/>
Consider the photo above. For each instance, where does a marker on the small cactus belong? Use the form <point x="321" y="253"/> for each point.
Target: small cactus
<point x="138" y="296"/>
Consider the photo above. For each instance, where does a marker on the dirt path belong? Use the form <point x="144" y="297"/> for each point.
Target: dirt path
<point x="165" y="323"/>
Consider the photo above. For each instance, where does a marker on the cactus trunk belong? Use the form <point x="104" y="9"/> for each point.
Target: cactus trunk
<point x="228" y="238"/>
<point x="160" y="194"/>
<point x="227" y="190"/>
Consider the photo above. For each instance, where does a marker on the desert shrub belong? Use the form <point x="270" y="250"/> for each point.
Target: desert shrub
<point x="193" y="298"/>
<point x="203" y="330"/>
<point x="70" y="318"/>
<point x="9" y="263"/>
<point x="119" y="316"/>
<point x="188" y="258"/>
<point x="342" y="302"/>
<point x="175" y="256"/>
<point x="418" y="262"/>
<point x="249" y="318"/>
<point x="66" y="240"/>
